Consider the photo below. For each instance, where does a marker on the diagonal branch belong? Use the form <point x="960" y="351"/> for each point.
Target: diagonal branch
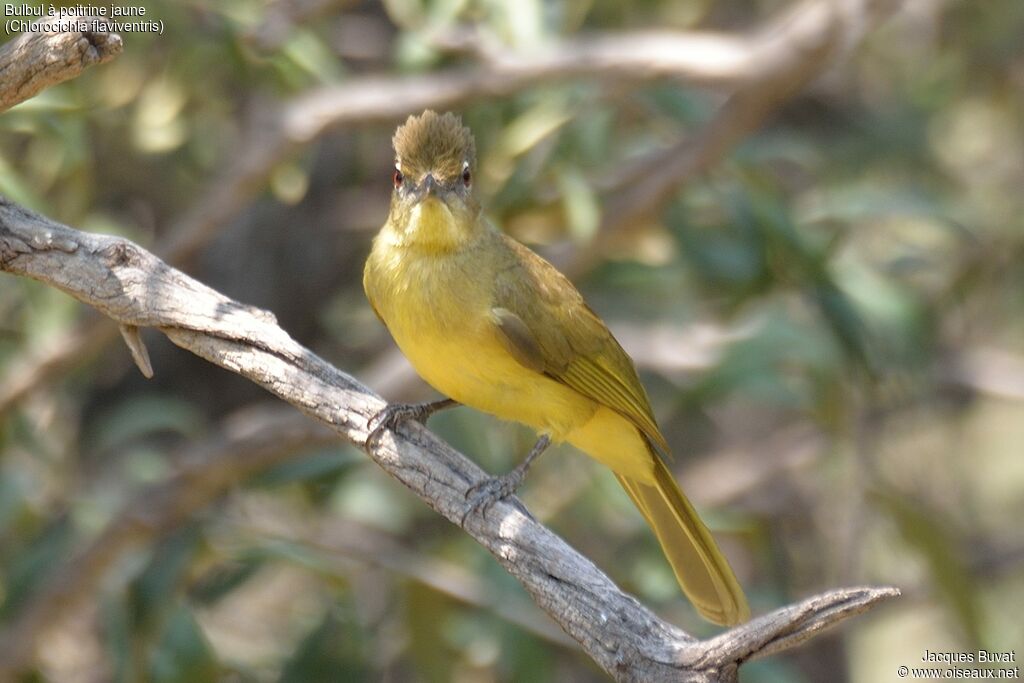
<point x="135" y="288"/>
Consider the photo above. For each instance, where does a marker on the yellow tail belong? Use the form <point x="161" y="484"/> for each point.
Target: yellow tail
<point x="702" y="571"/>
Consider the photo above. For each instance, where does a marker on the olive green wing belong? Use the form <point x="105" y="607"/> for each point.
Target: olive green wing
<point x="546" y="326"/>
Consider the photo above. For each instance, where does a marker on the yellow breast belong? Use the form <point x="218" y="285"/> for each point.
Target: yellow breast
<point x="438" y="309"/>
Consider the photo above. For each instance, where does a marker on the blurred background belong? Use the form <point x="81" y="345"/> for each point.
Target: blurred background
<point x="808" y="236"/>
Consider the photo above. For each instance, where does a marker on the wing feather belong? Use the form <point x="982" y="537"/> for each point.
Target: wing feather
<point x="547" y="327"/>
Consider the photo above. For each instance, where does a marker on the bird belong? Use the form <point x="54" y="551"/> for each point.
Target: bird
<point x="491" y="325"/>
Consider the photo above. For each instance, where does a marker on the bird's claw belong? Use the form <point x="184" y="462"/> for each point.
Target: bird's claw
<point x="395" y="414"/>
<point x="484" y="494"/>
<point x="390" y="416"/>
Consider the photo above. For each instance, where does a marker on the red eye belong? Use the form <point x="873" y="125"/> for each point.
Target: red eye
<point x="466" y="177"/>
<point x="398" y="178"/>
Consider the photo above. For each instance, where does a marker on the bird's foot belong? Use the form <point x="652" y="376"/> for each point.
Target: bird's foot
<point x="484" y="494"/>
<point x="395" y="414"/>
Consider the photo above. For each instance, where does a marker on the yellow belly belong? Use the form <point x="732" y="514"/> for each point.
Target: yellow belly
<point x="470" y="365"/>
<point x="438" y="311"/>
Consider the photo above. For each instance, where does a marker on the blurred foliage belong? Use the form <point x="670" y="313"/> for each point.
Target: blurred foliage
<point x="830" y="323"/>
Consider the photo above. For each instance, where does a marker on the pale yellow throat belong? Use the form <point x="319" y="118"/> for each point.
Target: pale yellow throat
<point x="432" y="224"/>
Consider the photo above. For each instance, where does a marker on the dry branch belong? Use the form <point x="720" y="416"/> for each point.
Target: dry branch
<point x="34" y="61"/>
<point x="135" y="288"/>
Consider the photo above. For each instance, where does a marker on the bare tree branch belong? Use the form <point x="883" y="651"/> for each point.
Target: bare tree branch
<point x="29" y="64"/>
<point x="129" y="284"/>
<point x="34" y="61"/>
<point x="284" y="15"/>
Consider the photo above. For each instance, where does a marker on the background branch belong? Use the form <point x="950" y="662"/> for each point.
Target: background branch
<point x="761" y="70"/>
<point x="729" y="62"/>
<point x="35" y="61"/>
<point x="796" y="47"/>
<point x="207" y="474"/>
<point x="135" y="288"/>
<point x="337" y="538"/>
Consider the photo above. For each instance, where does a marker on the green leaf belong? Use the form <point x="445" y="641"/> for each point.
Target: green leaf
<point x="32" y="564"/>
<point x="928" y="531"/>
<point x="141" y="415"/>
<point x="152" y="593"/>
<point x="333" y="651"/>
<point x="183" y="653"/>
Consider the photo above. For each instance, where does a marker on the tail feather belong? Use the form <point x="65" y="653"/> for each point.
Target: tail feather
<point x="702" y="571"/>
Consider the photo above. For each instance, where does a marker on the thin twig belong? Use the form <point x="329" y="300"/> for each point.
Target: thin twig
<point x="137" y="347"/>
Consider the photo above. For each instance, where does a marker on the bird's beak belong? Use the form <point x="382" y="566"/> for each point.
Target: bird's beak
<point x="429" y="187"/>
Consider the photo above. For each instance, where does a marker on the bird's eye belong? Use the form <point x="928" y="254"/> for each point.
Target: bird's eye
<point x="467" y="178"/>
<point x="398" y="178"/>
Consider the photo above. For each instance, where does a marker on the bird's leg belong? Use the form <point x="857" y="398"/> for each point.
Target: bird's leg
<point x="486" y="493"/>
<point x="395" y="414"/>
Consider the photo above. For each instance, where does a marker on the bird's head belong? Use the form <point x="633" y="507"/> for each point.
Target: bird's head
<point x="435" y="160"/>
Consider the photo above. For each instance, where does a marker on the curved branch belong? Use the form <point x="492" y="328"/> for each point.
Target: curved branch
<point x="135" y="288"/>
<point x="35" y="61"/>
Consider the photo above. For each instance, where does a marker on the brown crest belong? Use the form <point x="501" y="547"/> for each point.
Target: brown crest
<point x="435" y="143"/>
